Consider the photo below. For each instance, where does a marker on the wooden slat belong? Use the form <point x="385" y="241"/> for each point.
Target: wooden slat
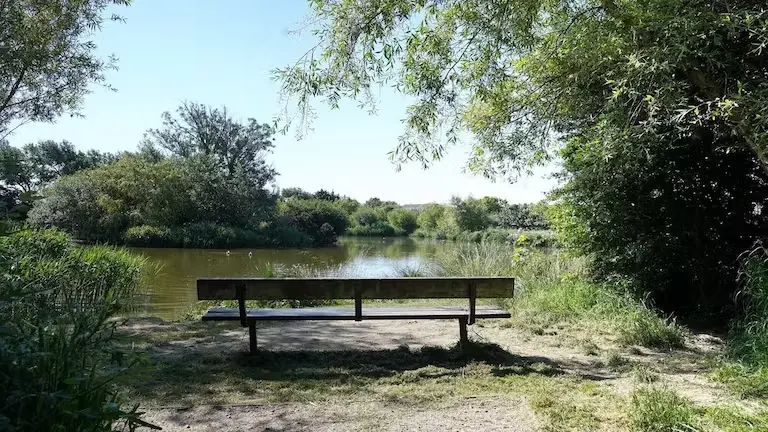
<point x="445" y="312"/>
<point x="328" y="289"/>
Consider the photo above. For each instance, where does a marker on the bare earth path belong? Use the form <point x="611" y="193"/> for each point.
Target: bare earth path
<point x="400" y="376"/>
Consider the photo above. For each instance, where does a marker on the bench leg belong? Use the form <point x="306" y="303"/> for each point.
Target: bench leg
<point x="252" y="335"/>
<point x="463" y="338"/>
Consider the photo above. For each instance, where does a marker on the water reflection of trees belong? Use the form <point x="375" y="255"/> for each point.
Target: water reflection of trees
<point x="394" y="248"/>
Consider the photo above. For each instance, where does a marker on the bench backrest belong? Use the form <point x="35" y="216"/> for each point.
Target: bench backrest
<point x="243" y="289"/>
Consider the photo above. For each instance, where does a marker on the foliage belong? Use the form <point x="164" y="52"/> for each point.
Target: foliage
<point x="365" y="216"/>
<point x="672" y="217"/>
<point x="661" y="104"/>
<point x="514" y="75"/>
<point x="237" y="149"/>
<point x="660" y="410"/>
<point x="49" y="60"/>
<point x="553" y="288"/>
<point x="523" y="216"/>
<point x="58" y="360"/>
<point x="348" y="205"/>
<point x="311" y="216"/>
<point x="23" y="171"/>
<point x="746" y="367"/>
<point x="429" y="215"/>
<point x="470" y="214"/>
<point x="749" y="339"/>
<point x="375" y="229"/>
<point x="101" y="204"/>
<point x="403" y="220"/>
<point x="295" y="192"/>
<point x="323" y="194"/>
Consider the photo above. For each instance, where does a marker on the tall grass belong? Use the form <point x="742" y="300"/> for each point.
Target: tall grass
<point x="554" y="287"/>
<point x="58" y="304"/>
<point x="662" y="410"/>
<point x="746" y="368"/>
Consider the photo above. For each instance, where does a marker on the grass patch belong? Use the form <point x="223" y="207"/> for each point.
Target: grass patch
<point x="644" y="374"/>
<point x="553" y="288"/>
<point x="744" y="379"/>
<point x="663" y="410"/>
<point x="660" y="410"/>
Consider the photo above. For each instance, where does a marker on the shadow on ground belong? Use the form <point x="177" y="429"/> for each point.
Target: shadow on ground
<point x="200" y="363"/>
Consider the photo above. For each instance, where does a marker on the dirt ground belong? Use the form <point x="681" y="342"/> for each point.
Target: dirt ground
<point x="468" y="397"/>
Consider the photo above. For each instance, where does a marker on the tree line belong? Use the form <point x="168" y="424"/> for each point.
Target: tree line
<point x="201" y="180"/>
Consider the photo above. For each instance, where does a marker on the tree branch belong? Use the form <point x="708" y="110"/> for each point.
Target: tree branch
<point x="14" y="89"/>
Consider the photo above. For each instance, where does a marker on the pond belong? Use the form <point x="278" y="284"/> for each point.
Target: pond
<point x="171" y="291"/>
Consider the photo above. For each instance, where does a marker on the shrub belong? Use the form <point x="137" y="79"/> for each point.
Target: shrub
<point x="746" y="368"/>
<point x="429" y="215"/>
<point x="365" y="216"/>
<point x="376" y="229"/>
<point x="749" y="332"/>
<point x="285" y="236"/>
<point x="308" y="216"/>
<point x="402" y="219"/>
<point x="149" y="236"/>
<point x="58" y="359"/>
<point x="498" y="235"/>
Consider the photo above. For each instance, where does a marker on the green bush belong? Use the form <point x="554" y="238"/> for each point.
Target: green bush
<point x="746" y="368"/>
<point x="210" y="235"/>
<point x="285" y="236"/>
<point x="149" y="236"/>
<point x="376" y="229"/>
<point x="365" y="216"/>
<point x="403" y="220"/>
<point x="58" y="357"/>
<point x="498" y="235"/>
<point x="309" y="216"/>
<point x="102" y="204"/>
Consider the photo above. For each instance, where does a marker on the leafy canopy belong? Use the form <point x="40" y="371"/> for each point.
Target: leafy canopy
<point x="48" y="58"/>
<point x="203" y="130"/>
<point x="521" y="75"/>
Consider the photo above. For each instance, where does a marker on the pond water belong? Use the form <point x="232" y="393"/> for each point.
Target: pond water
<point x="171" y="291"/>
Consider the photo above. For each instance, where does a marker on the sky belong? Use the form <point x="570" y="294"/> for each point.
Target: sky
<point x="222" y="53"/>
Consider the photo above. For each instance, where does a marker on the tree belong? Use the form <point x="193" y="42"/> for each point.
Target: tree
<point x="519" y="75"/>
<point x="470" y="214"/>
<point x="629" y="87"/>
<point x="327" y="196"/>
<point x="521" y="216"/>
<point x="673" y="219"/>
<point x="295" y="192"/>
<point x="23" y="171"/>
<point x="348" y="205"/>
<point x="365" y="216"/>
<point x="200" y="129"/>
<point x="102" y="203"/>
<point x="314" y="217"/>
<point x="373" y="202"/>
<point x="403" y="220"/>
<point x="49" y="60"/>
<point x="429" y="216"/>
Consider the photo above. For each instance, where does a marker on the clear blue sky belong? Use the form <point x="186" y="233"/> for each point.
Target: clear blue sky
<point x="222" y="53"/>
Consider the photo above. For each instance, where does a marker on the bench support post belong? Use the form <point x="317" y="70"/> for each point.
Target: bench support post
<point x="252" y="335"/>
<point x="463" y="338"/>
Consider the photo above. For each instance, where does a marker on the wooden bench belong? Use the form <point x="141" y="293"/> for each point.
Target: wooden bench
<point x="243" y="289"/>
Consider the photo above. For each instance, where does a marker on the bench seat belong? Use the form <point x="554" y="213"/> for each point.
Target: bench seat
<point x="341" y="313"/>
